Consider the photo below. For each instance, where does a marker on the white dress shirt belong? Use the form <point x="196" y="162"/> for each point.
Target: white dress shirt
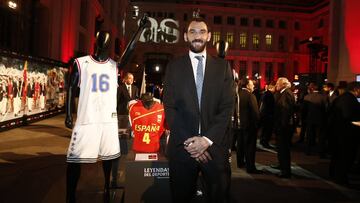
<point x="194" y="63"/>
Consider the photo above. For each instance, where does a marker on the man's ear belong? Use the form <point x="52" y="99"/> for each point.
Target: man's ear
<point x="209" y="37"/>
<point x="185" y="37"/>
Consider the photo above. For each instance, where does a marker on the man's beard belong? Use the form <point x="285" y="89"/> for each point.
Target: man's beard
<point x="197" y="49"/>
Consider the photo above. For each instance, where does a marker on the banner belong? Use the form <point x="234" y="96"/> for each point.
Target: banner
<point x="29" y="87"/>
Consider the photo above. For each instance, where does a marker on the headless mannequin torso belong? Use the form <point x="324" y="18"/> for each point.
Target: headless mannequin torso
<point x="147" y="100"/>
<point x="101" y="54"/>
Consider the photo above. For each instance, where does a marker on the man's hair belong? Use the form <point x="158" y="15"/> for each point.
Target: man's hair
<point x="244" y="82"/>
<point x="127" y="74"/>
<point x="330" y="85"/>
<point x="353" y="86"/>
<point x="196" y="19"/>
<point x="313" y="86"/>
<point x="284" y="81"/>
<point x="271" y="85"/>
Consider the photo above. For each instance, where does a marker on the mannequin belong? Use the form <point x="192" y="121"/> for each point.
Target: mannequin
<point x="148" y="100"/>
<point x="147" y="122"/>
<point x="100" y="56"/>
<point x="101" y="83"/>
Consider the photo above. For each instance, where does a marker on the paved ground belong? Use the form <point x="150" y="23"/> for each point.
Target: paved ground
<point x="32" y="170"/>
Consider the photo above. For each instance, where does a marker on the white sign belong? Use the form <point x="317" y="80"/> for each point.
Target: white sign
<point x="167" y="31"/>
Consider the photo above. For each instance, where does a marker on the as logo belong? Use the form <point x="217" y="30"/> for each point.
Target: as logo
<point x="166" y="32"/>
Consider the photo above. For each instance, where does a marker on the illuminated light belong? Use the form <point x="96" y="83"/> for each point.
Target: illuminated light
<point x="247" y="77"/>
<point x="157" y="68"/>
<point x="12" y="5"/>
<point x="137" y="65"/>
<point x="259" y="77"/>
<point x="352" y="32"/>
<point x="135" y="13"/>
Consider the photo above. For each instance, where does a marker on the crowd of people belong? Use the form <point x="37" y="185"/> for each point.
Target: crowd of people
<point x="321" y="116"/>
<point x="38" y="91"/>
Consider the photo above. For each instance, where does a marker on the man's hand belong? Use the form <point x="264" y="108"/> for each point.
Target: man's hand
<point x="196" y="146"/>
<point x="204" y="158"/>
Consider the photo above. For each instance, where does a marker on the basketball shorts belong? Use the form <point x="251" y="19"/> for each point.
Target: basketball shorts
<point x="92" y="142"/>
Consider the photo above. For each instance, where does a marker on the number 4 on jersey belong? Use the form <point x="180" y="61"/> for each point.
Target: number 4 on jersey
<point x="146" y="138"/>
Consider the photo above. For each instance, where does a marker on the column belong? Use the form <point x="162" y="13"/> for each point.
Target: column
<point x="249" y="68"/>
<point x="344" y="49"/>
<point x="236" y="66"/>
<point x="262" y="74"/>
<point x="275" y="70"/>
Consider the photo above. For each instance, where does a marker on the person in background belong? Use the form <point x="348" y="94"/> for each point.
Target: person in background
<point x="127" y="91"/>
<point x="314" y="107"/>
<point x="283" y="124"/>
<point x="267" y="107"/>
<point x="249" y="120"/>
<point x="345" y="139"/>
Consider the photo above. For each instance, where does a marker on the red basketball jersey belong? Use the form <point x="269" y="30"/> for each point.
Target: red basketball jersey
<point x="147" y="126"/>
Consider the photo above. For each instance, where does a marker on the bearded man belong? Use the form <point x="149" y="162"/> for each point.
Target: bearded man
<point x="199" y="100"/>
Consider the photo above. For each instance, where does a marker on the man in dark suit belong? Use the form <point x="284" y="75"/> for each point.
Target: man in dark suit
<point x="325" y="143"/>
<point x="283" y="122"/>
<point x="126" y="92"/>
<point x="314" y="107"/>
<point x="346" y="139"/>
<point x="331" y="93"/>
<point x="266" y="110"/>
<point x="249" y="119"/>
<point x="199" y="99"/>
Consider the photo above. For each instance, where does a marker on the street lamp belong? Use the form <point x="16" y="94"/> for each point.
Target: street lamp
<point x="12" y="4"/>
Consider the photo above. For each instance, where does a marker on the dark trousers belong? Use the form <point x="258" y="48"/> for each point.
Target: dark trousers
<point x="246" y="148"/>
<point x="343" y="156"/>
<point x="302" y="130"/>
<point x="266" y="132"/>
<point x="283" y="142"/>
<point x="216" y="174"/>
<point x="313" y="132"/>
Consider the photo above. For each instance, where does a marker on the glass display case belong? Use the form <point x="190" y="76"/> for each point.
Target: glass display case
<point x="30" y="88"/>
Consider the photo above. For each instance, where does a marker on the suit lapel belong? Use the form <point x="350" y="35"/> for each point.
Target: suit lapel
<point x="189" y="73"/>
<point x="132" y="91"/>
<point x="209" y="69"/>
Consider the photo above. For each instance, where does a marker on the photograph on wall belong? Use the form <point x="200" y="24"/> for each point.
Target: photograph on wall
<point x="28" y="87"/>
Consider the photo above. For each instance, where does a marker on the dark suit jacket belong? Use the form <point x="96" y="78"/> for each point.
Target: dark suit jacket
<point x="284" y="109"/>
<point x="123" y="98"/>
<point x="267" y="106"/>
<point x="30" y="90"/>
<point x="315" y="108"/>
<point x="181" y="104"/>
<point x="249" y="112"/>
<point x="346" y="109"/>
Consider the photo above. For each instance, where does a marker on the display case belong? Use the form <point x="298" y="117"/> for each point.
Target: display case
<point x="31" y="88"/>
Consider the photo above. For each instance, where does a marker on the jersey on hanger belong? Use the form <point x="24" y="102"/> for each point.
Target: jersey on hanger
<point x="147" y="126"/>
